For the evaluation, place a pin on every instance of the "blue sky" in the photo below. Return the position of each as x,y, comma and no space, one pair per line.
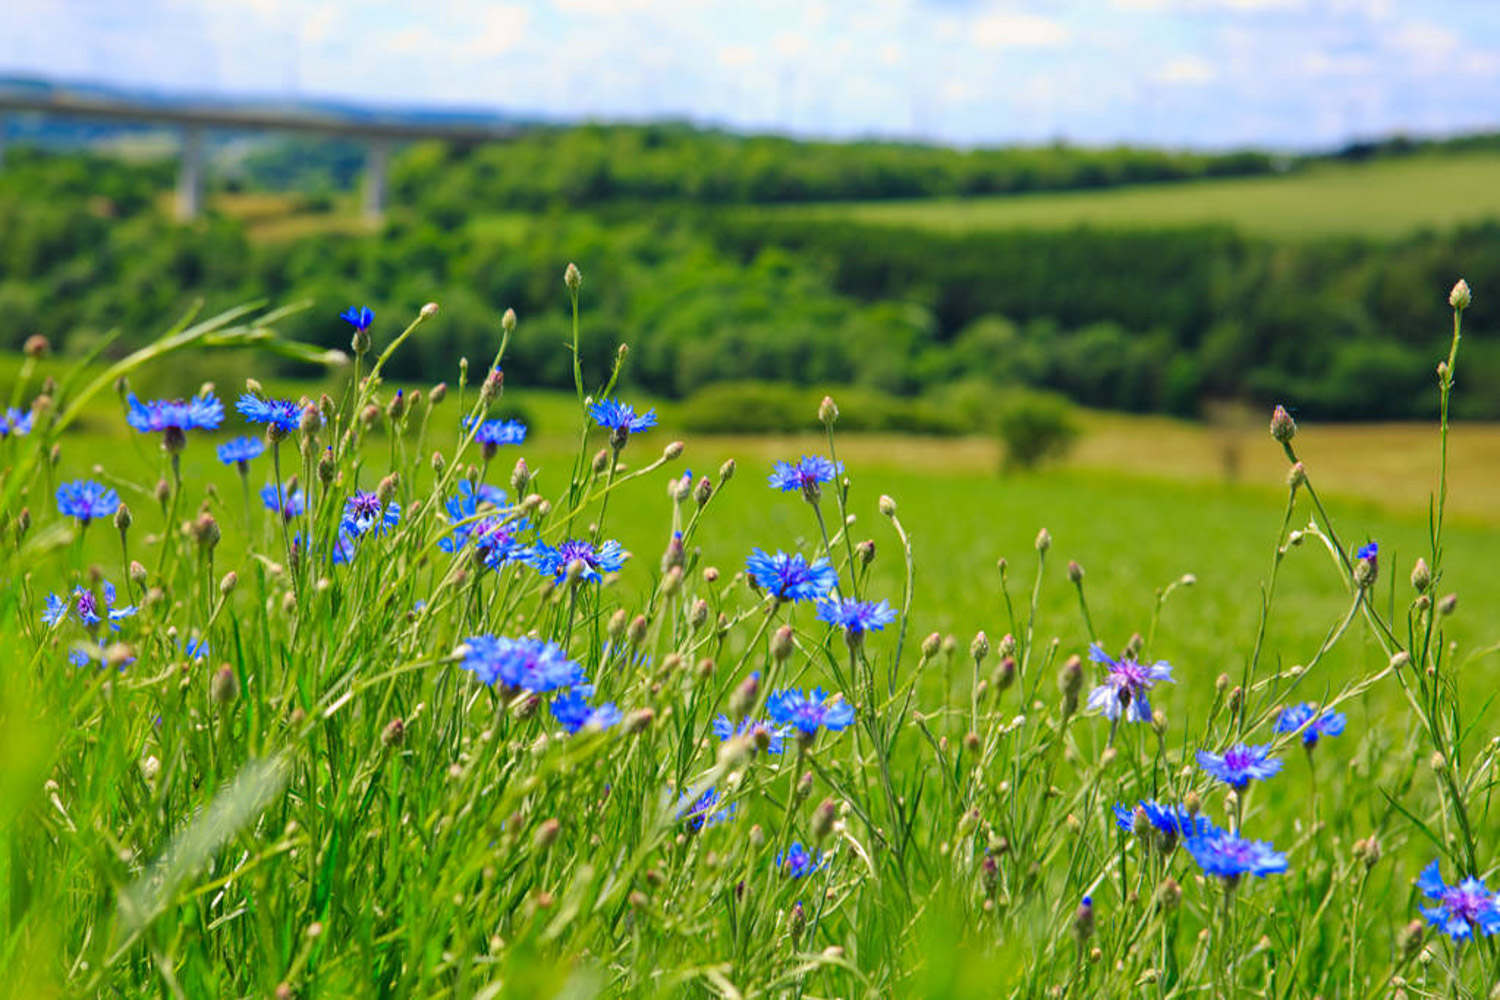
1210,73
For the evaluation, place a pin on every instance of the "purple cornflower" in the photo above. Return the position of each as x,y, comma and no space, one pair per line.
798,861
91,609
239,451
86,500
725,729
494,433
289,505
1239,764
498,542
808,475
554,562
573,711
1460,908
520,664
362,513
359,317
1171,822
173,418
1307,714
1124,688
808,711
463,509
704,811
280,415
15,421
791,578
1229,856
855,617
621,420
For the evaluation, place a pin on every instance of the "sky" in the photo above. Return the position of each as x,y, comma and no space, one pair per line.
1294,74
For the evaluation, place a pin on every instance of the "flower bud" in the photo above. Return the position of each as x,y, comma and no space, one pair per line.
1399,659
703,491
394,733
1368,851
823,819
137,573
206,531
1192,803
638,720
36,346
698,616
828,411
672,451
1083,920
804,785
494,382
385,490
508,321
1043,540
572,278
1460,297
1283,427
546,834
601,461
1169,894
429,310
726,471
637,631
437,394
1421,576
781,643
122,518
887,505
227,585
742,699
225,686
1409,941
980,647
1447,605
1004,674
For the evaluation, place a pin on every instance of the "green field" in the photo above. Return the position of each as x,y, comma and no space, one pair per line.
1386,198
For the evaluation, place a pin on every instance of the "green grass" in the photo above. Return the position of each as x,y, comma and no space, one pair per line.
1384,198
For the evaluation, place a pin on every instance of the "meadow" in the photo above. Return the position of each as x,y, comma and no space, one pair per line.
1378,199
401,736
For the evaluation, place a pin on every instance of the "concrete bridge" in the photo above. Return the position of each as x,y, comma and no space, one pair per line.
193,121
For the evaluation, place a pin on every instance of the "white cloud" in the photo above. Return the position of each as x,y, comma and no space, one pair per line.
1189,70
1005,30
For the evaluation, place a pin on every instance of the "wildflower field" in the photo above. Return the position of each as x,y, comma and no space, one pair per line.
387,693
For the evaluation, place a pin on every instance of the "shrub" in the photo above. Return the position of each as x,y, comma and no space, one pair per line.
773,408
1035,426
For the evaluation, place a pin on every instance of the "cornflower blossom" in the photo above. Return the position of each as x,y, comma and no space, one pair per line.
725,729
287,504
1230,856
239,451
1125,686
855,617
359,317
498,542
1318,724
1172,823
705,811
798,862
281,416
463,509
573,711
621,420
809,711
86,500
363,514
791,578
491,434
807,476
14,421
173,418
1240,763
90,609
554,561
343,547
525,664
1461,909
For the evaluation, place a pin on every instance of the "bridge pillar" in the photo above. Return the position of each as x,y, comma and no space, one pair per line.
190,175
377,160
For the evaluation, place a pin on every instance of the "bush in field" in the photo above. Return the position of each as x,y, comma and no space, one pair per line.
776,408
1035,427
318,711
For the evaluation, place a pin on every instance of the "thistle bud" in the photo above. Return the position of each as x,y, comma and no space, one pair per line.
887,505
710,574
1004,674
1447,605
703,491
206,531
396,408
636,633
1043,540
980,647
1460,297
494,382
781,643
823,819
931,645
1283,427
828,411
572,278
1421,576
225,686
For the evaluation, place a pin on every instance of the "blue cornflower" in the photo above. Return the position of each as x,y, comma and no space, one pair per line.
1229,855
808,475
498,542
494,433
855,617
1239,764
520,664
1461,908
799,861
807,711
573,711
289,505
281,415
81,653
705,810
15,421
362,513
1124,689
1369,550
195,648
343,546
554,562
725,729
463,507
239,451
791,578
91,609
1172,822
621,420
86,500
1306,714
175,417
359,317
